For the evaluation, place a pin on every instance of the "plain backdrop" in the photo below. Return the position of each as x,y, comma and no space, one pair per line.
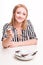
35,14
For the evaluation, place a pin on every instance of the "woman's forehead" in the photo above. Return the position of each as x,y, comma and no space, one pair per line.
21,9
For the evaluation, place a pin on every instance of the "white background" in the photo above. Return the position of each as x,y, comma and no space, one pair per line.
35,9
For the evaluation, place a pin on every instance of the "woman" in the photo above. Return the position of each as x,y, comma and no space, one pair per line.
19,32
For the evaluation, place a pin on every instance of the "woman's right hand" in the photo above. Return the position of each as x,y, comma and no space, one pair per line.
6,41
10,34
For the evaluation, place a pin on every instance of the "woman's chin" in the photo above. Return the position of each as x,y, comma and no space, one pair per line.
19,21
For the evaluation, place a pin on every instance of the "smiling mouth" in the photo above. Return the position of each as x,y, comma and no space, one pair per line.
20,18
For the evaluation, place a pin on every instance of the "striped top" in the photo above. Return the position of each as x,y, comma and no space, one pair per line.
26,34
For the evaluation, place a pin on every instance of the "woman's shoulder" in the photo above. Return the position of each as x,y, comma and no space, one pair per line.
5,25
29,23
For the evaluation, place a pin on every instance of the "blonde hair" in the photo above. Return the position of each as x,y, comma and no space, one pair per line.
24,24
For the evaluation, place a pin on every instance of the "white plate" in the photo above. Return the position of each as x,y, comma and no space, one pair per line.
24,58
25,52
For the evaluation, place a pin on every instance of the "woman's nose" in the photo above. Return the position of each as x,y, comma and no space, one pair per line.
21,14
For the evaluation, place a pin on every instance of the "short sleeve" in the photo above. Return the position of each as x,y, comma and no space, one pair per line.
31,33
4,35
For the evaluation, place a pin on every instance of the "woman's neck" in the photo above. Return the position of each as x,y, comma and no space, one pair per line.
17,25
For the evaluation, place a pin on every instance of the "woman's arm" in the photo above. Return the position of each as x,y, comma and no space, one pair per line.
29,42
7,43
24,43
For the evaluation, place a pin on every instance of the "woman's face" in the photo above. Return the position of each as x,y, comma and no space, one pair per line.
20,14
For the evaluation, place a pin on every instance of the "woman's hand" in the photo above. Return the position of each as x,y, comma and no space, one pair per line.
6,41
10,34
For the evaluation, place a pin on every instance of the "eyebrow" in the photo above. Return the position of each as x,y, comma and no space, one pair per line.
20,11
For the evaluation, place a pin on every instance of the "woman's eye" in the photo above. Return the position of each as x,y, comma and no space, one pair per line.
21,13
24,14
18,12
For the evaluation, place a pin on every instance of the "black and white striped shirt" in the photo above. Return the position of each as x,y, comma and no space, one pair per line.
26,34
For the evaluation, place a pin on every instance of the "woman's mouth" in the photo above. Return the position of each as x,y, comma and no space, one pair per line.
20,18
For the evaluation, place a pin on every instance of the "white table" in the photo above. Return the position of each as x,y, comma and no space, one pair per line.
7,58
